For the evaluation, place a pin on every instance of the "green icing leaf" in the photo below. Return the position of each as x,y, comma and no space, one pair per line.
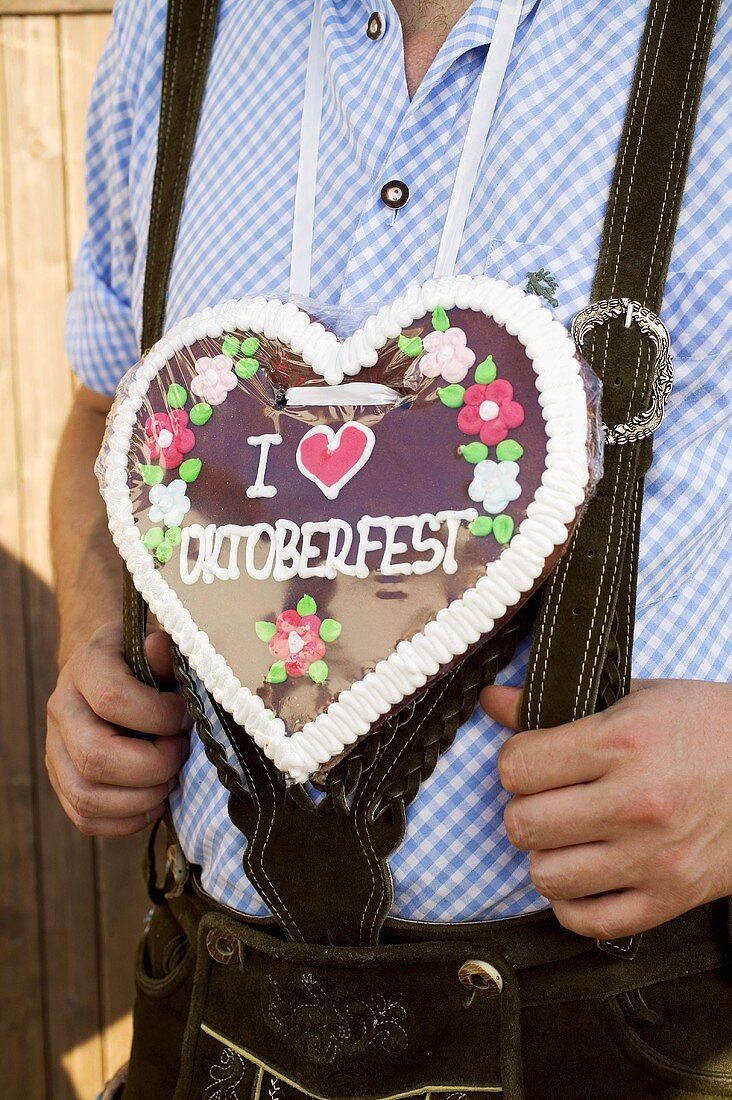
246,368
265,631
474,452
153,537
177,396
277,673
230,346
330,630
152,475
173,536
201,414
503,529
509,451
410,345
250,346
486,372
318,672
440,320
483,525
453,396
190,469
164,552
306,606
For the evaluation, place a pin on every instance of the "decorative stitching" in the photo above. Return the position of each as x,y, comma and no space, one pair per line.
545,615
332,1024
261,867
669,209
626,147
407,744
226,1076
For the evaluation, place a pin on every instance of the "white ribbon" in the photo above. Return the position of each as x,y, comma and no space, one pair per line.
349,394
307,170
481,117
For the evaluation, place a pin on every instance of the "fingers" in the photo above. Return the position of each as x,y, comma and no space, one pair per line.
580,871
109,783
611,916
101,754
97,800
109,687
103,826
542,760
502,704
160,656
557,819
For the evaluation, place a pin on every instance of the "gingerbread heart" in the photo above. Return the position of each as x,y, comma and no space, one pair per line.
320,552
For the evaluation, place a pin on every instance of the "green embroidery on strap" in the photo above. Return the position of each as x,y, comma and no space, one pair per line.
543,284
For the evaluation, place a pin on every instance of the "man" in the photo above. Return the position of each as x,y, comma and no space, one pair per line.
621,822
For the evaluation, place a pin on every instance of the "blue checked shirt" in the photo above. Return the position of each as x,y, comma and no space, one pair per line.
540,203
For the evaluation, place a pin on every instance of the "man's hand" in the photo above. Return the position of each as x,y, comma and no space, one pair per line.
627,814
110,784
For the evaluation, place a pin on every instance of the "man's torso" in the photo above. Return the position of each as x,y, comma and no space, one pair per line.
536,220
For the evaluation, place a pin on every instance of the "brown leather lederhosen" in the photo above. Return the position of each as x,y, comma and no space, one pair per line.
330,997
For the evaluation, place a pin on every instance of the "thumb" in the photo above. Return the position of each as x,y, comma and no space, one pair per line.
159,654
502,704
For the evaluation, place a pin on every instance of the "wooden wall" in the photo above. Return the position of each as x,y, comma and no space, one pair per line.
71,908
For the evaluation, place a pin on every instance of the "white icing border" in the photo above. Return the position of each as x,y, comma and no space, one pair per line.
455,627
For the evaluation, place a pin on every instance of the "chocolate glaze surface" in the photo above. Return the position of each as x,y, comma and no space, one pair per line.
415,468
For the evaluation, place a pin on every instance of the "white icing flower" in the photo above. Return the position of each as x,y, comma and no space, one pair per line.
169,503
495,485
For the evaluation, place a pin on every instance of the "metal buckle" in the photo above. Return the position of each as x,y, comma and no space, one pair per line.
599,313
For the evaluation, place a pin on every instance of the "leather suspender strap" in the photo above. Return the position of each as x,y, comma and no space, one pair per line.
583,635
189,37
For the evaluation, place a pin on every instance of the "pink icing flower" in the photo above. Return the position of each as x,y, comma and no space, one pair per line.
214,378
447,355
490,412
169,438
297,642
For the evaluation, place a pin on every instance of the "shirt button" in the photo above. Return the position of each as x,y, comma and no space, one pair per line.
395,194
375,27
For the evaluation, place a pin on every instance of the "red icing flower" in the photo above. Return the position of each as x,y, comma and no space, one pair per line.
490,412
297,642
169,437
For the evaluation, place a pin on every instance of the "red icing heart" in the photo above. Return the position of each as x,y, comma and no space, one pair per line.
330,458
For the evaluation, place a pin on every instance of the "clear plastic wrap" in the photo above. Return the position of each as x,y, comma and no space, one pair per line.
329,508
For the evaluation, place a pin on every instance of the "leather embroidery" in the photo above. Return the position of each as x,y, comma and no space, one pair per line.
225,1076
329,1024
543,284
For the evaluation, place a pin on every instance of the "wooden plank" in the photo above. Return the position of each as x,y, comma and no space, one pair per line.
82,39
43,387
53,7
21,991
122,901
